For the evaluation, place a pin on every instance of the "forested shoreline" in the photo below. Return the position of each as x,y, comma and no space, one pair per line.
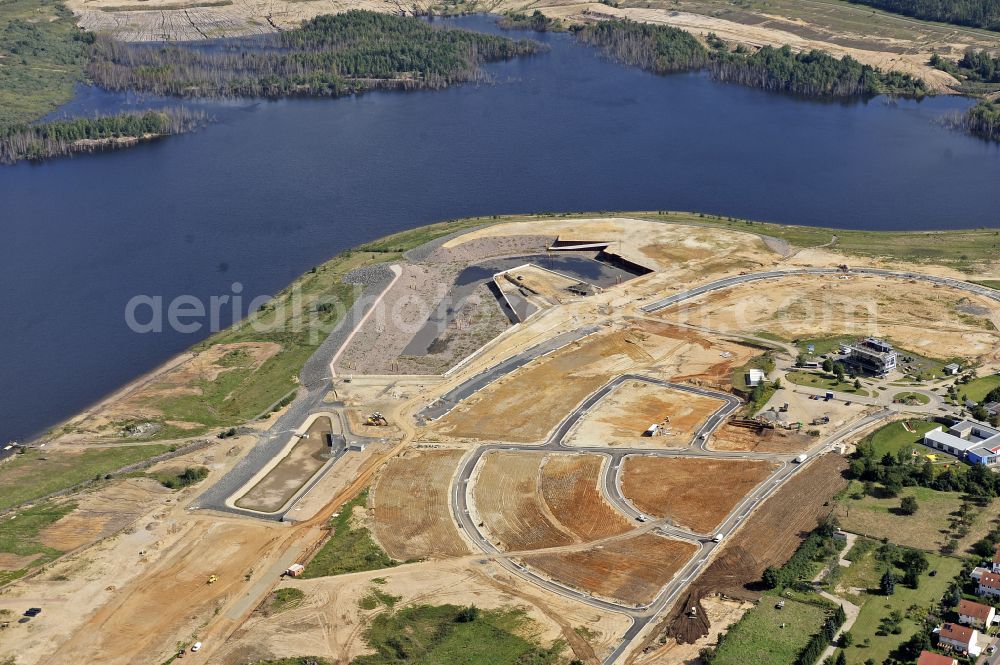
663,49
973,13
328,56
983,120
59,138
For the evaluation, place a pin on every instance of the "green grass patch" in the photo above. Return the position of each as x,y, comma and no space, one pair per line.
769,636
977,389
989,283
910,397
824,382
824,345
349,549
19,536
452,635
894,437
377,598
177,479
930,528
284,599
912,604
40,472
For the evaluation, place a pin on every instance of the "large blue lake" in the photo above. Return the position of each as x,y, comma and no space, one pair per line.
273,188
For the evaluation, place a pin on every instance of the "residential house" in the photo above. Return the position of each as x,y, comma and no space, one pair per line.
975,614
959,638
989,585
931,658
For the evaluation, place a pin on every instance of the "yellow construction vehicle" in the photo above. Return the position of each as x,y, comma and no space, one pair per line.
213,579
376,420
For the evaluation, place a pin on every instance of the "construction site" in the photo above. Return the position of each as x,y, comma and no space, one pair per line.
534,416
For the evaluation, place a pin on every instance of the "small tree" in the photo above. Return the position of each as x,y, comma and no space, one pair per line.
857,384
908,505
467,614
888,583
841,658
772,577
828,365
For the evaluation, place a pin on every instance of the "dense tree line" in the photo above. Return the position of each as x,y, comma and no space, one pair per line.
975,13
327,56
656,48
536,21
663,49
812,73
975,65
63,137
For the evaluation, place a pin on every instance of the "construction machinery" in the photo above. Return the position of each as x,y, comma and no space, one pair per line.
376,420
213,579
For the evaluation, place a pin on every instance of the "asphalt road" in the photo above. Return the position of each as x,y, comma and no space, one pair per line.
466,389
643,614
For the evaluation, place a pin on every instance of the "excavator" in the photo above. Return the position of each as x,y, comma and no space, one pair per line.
376,420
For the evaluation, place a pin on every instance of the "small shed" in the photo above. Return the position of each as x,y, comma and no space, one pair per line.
952,369
755,377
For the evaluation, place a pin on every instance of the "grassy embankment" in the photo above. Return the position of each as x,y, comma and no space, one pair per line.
243,392
37,473
350,548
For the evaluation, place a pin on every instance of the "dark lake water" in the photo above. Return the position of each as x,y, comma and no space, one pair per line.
273,188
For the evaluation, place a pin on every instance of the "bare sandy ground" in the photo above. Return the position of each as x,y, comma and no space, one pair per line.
934,321
329,623
622,416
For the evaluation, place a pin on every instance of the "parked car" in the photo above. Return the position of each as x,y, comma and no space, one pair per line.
196,647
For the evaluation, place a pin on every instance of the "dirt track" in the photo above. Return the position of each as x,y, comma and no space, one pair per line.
693,492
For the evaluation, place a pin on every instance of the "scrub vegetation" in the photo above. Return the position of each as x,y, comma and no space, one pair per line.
664,49
329,56
42,54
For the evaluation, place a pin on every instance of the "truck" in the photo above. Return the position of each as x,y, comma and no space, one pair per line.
717,538
829,395
294,570
799,459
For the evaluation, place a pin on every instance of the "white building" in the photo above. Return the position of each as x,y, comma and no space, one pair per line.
978,443
953,369
755,377
873,355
